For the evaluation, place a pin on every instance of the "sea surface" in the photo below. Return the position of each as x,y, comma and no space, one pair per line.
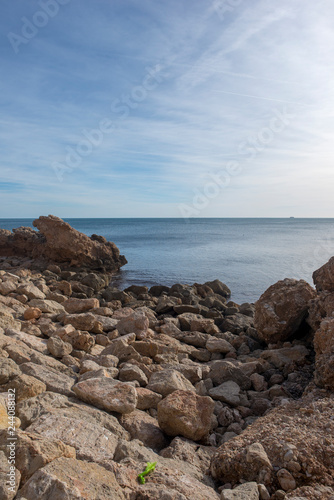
247,254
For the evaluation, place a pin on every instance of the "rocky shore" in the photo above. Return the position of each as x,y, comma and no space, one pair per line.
231,401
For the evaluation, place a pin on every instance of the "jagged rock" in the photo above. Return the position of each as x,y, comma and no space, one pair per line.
281,309
323,277
58,242
108,394
6,318
85,321
324,354
223,371
227,392
183,413
47,306
70,479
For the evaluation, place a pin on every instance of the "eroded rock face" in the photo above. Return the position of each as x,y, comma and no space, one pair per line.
324,354
281,309
58,242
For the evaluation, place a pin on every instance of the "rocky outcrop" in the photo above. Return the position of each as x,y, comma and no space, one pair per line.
324,352
281,309
324,277
57,242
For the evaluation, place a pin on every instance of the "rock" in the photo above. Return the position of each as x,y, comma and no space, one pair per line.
95,281
282,357
76,306
8,370
6,318
223,371
33,451
58,348
246,491
69,479
107,394
9,478
281,309
323,277
136,322
32,313
185,414
299,426
142,426
227,392
91,441
147,399
219,345
31,291
57,242
166,304
82,341
47,306
85,321
167,381
286,480
56,382
7,287
324,354
130,372
219,288
4,416
26,387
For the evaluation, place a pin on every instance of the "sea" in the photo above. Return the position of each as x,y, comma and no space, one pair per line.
248,254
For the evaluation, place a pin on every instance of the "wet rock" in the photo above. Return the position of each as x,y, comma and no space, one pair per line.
186,414
281,309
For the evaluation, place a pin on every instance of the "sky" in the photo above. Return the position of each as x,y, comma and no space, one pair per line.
178,108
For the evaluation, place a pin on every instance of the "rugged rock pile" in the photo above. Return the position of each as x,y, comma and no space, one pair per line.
232,401
57,242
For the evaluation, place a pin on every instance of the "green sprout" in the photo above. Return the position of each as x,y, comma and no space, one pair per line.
149,468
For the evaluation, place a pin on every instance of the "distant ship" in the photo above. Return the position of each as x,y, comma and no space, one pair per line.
291,217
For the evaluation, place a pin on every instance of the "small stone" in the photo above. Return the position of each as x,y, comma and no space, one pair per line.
32,313
286,480
58,348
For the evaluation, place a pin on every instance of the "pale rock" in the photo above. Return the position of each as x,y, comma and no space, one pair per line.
31,291
219,345
47,306
137,322
286,480
8,370
186,414
5,492
165,382
84,321
76,306
107,394
246,491
130,372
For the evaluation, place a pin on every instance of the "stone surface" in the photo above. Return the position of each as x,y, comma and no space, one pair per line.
32,313
108,394
281,309
147,399
8,370
324,354
227,392
137,322
8,489
56,382
70,479
26,387
56,241
185,414
58,348
167,381
91,441
76,306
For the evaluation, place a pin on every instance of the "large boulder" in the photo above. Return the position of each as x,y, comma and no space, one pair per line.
183,413
58,242
324,277
281,309
324,354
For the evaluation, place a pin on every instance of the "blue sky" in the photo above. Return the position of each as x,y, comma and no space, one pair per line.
166,109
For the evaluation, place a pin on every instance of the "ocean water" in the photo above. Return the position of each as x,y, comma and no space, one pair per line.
247,254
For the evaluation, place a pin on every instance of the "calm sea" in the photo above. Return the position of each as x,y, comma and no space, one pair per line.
247,254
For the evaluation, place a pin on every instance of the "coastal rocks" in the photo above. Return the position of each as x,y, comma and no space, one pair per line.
185,414
76,306
323,277
69,479
167,381
281,309
324,354
108,394
58,242
295,437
